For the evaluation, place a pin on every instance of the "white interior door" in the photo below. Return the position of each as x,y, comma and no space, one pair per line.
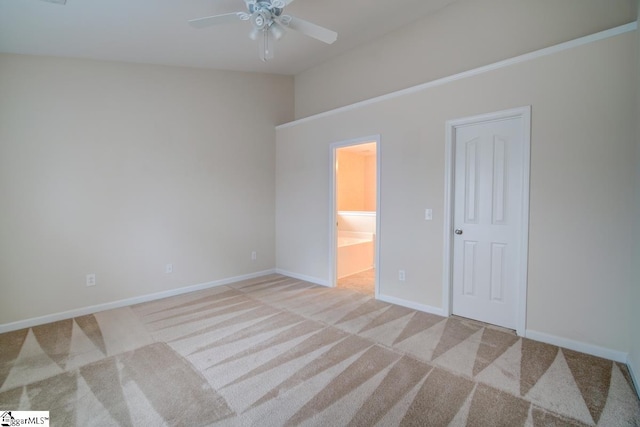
488,220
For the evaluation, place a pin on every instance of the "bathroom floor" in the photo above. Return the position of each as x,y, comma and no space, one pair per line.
361,282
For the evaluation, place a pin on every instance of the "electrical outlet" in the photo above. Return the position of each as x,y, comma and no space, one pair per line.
401,275
91,279
168,268
254,256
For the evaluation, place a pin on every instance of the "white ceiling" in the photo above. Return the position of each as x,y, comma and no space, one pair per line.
156,31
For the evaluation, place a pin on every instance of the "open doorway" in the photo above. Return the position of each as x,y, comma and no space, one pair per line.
355,213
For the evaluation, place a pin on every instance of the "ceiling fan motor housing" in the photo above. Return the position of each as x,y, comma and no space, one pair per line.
271,8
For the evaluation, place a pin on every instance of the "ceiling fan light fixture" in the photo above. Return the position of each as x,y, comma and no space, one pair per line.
276,30
260,20
255,34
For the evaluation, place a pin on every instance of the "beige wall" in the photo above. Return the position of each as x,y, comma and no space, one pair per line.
118,169
356,181
370,179
634,359
582,172
350,181
462,36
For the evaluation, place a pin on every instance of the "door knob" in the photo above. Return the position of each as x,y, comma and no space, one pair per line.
458,231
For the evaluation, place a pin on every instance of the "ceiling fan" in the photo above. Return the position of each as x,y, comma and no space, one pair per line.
269,24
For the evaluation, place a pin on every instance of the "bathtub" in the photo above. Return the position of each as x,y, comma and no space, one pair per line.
355,252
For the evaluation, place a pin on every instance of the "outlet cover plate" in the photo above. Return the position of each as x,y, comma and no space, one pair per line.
91,279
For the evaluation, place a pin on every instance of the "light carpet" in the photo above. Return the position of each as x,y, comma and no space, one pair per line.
275,351
364,282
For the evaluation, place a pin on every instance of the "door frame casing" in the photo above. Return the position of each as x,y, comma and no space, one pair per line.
333,215
521,287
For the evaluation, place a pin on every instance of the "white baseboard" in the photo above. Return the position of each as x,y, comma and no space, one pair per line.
594,350
633,373
314,280
381,297
28,323
411,304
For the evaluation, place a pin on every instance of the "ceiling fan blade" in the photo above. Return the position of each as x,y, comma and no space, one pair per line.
313,30
57,1
216,19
